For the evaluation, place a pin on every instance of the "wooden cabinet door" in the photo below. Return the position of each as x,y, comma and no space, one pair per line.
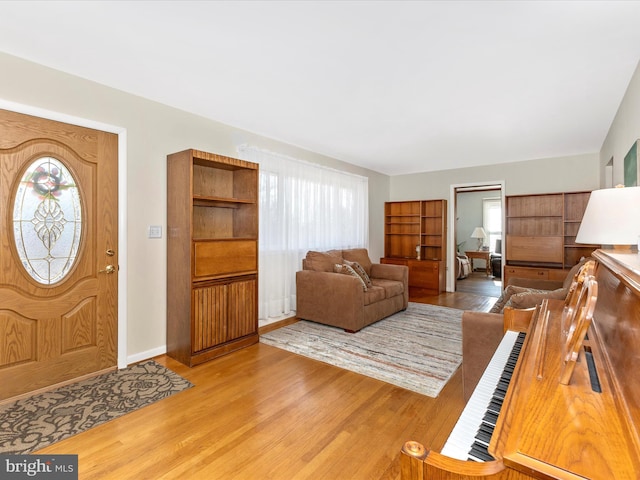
243,308
541,249
424,274
223,312
209,304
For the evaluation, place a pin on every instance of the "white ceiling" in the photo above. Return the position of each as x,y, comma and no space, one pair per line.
397,87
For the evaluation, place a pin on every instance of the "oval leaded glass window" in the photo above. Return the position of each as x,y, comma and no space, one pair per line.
47,220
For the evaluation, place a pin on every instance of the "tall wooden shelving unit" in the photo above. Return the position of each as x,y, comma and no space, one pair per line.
212,255
540,235
415,235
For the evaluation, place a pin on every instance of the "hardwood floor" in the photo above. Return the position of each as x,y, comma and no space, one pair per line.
265,413
480,284
460,300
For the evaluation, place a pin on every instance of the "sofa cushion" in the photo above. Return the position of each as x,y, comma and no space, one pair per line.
345,269
322,261
391,287
359,255
373,295
533,298
359,269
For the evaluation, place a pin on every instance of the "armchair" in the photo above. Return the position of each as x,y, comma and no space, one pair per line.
463,266
463,263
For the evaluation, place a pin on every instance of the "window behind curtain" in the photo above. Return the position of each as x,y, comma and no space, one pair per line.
492,220
303,207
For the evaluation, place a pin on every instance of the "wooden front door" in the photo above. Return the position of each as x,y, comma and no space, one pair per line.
58,252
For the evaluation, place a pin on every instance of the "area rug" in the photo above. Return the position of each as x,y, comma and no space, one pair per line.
418,349
32,423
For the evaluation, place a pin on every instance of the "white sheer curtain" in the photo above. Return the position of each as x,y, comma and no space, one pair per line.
303,207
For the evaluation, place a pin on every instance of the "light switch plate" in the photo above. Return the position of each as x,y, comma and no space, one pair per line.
155,231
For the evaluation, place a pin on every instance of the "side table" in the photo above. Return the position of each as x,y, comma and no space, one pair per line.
482,255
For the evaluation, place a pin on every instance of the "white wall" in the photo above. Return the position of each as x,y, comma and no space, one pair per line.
625,129
153,131
562,174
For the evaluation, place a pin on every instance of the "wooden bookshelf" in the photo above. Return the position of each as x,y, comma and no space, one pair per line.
540,234
212,255
415,235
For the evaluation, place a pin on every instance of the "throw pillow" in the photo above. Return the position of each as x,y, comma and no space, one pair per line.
347,270
359,255
360,271
533,298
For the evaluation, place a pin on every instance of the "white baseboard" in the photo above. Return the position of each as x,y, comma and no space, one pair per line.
139,357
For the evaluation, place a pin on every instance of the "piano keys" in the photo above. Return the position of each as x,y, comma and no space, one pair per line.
470,437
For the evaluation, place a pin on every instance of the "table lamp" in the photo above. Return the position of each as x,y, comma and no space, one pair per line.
611,219
480,234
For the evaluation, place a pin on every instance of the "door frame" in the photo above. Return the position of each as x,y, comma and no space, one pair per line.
451,234
121,132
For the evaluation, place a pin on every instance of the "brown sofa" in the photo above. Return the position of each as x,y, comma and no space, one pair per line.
483,331
348,301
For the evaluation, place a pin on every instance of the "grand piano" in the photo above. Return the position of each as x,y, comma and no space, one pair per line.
561,398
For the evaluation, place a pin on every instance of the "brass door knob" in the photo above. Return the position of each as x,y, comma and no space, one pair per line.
108,269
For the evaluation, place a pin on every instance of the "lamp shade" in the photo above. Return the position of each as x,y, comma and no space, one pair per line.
478,232
611,217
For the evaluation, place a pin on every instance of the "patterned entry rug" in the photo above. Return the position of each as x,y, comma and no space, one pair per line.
418,349
34,422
